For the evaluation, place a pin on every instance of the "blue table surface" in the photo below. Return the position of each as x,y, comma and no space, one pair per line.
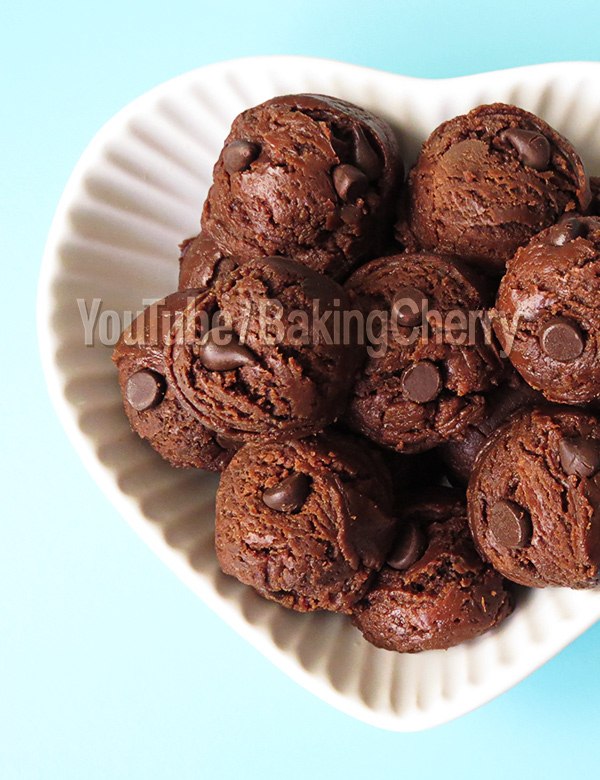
109,667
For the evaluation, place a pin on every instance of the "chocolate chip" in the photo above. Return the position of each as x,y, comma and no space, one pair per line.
409,547
532,147
350,183
421,382
510,524
592,491
318,287
580,456
567,230
365,156
289,495
561,339
351,214
144,390
221,351
238,155
409,306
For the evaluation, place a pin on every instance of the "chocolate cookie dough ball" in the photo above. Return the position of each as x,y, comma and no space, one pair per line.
307,176
429,363
486,182
202,263
435,591
534,498
151,404
305,523
549,314
459,456
263,367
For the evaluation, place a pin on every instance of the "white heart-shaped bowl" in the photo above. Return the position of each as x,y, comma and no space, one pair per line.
134,195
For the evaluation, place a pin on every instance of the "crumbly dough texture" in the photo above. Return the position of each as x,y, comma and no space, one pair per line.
471,195
322,556
553,276
379,408
285,201
293,387
521,463
172,429
448,596
459,455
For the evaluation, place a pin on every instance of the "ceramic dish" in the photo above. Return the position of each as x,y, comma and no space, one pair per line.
134,195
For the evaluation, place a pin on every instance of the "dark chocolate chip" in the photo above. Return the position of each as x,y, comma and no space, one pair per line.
409,547
561,339
365,156
592,491
289,495
282,264
510,524
238,155
568,229
145,389
409,306
222,351
532,147
421,382
350,183
351,214
580,456
318,287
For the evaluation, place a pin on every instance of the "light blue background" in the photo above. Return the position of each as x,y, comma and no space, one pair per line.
109,667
